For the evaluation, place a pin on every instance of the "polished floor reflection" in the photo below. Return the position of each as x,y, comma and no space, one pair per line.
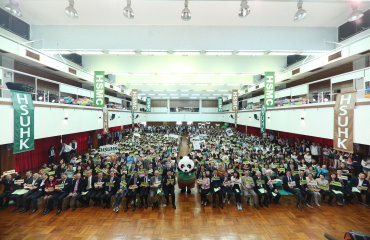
188,221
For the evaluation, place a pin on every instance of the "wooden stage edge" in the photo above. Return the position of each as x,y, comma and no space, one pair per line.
189,221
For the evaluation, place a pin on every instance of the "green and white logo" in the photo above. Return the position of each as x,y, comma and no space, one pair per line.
99,89
23,122
269,89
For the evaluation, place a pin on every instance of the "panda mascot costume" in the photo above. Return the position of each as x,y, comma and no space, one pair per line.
186,176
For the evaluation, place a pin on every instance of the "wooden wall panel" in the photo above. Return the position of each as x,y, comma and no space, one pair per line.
209,103
159,103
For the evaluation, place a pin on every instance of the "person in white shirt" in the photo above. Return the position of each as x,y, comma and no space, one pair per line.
65,152
307,158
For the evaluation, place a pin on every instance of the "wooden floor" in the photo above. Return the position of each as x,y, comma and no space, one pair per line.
188,221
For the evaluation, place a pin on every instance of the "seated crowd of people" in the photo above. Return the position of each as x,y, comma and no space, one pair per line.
229,167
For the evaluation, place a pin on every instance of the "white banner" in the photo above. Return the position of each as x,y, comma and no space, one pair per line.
229,132
108,149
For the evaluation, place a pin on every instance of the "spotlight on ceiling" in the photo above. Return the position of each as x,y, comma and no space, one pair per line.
127,11
356,13
186,14
70,11
301,13
13,8
244,9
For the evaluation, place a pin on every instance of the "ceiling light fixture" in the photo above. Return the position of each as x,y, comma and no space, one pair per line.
356,13
70,11
247,53
127,11
301,13
186,53
89,52
244,9
13,8
219,53
154,53
122,52
186,14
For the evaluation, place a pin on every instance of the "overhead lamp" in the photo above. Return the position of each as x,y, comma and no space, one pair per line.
89,52
186,14
278,53
55,52
13,8
122,52
219,53
356,13
244,9
249,53
70,10
186,53
154,53
301,13
127,11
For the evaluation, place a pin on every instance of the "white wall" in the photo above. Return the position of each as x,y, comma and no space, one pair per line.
49,121
318,122
194,117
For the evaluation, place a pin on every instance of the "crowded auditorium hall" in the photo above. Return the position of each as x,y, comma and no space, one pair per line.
211,120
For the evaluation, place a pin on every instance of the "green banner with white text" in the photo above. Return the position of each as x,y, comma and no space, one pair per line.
24,122
219,104
269,100
263,119
148,104
99,89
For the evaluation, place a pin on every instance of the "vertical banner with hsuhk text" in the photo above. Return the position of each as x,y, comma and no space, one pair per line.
343,121
263,119
134,100
269,100
234,100
99,89
219,104
24,131
148,104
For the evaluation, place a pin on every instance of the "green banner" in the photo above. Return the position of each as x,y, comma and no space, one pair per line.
263,119
24,121
99,89
269,89
148,104
219,104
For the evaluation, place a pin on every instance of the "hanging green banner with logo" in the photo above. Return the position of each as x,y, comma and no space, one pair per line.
269,89
219,104
99,89
263,119
148,104
24,131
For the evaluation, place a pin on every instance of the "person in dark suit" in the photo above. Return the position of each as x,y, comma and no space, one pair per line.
18,199
9,187
144,189
133,190
216,184
60,194
155,189
33,187
75,191
89,188
51,154
261,189
302,185
98,189
272,192
362,185
121,192
290,184
111,185
169,182
35,195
